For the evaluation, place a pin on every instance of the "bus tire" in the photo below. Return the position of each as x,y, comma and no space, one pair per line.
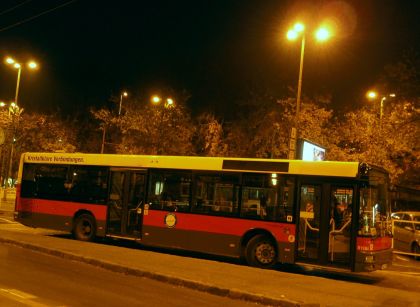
261,252
84,227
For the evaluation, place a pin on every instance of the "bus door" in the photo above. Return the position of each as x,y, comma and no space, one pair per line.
309,211
126,201
340,225
325,224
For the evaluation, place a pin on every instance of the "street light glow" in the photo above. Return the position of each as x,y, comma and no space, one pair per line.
156,99
322,34
169,102
299,27
9,60
2,103
292,35
371,95
16,65
125,94
32,65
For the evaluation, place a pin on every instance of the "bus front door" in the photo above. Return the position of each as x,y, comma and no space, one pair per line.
125,206
325,224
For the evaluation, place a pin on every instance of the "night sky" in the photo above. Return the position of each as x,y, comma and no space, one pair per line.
217,50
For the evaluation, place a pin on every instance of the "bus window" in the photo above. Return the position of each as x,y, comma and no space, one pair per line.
216,194
259,197
170,191
88,184
28,180
45,181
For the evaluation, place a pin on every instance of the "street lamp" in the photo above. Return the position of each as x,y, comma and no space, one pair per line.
31,65
14,107
123,94
169,103
372,95
297,31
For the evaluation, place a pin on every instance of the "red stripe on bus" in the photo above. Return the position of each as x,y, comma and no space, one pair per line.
373,244
283,232
62,208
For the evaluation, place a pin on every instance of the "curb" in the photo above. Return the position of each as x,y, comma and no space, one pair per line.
6,213
231,293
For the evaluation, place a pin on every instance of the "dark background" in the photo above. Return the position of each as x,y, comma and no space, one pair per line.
217,50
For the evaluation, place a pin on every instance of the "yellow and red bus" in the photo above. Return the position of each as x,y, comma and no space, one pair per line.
332,214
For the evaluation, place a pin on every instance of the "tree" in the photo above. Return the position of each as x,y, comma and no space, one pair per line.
263,129
208,138
146,128
391,143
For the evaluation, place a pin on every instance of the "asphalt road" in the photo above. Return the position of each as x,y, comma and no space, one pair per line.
403,275
33,279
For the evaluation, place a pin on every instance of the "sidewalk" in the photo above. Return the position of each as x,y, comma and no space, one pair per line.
7,207
269,287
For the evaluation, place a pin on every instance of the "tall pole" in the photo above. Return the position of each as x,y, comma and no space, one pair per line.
299,91
119,110
12,146
381,111
103,138
294,130
17,85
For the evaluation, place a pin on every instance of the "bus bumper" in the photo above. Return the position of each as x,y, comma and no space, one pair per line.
371,261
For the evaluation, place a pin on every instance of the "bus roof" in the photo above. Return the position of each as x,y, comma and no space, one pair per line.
279,166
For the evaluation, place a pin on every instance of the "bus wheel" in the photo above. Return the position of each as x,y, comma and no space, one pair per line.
261,252
84,227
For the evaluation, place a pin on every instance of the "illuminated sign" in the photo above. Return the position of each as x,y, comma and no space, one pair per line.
309,151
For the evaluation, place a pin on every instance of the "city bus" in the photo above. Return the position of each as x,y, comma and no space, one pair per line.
264,211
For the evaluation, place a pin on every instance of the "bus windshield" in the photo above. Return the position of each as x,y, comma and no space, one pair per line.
374,206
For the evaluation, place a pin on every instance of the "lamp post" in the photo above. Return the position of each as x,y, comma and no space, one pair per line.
123,94
297,31
169,103
14,107
18,66
372,95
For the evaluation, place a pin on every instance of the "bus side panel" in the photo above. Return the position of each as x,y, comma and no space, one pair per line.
211,234
58,215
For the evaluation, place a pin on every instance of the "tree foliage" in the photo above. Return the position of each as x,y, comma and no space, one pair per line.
263,130
208,139
392,142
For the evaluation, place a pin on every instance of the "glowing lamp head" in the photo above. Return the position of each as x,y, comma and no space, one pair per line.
322,34
371,95
125,94
32,65
299,27
292,35
16,65
156,99
9,60
169,102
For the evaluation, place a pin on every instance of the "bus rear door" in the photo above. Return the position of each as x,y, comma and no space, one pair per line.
126,203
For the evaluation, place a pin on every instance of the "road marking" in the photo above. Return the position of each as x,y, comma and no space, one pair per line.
18,293
403,259
7,221
21,297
